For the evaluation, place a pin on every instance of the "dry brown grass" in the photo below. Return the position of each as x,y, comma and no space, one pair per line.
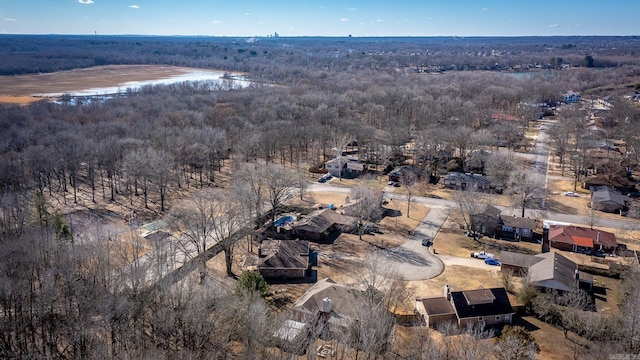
19,99
553,344
458,278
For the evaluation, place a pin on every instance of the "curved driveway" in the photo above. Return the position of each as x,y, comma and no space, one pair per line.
411,260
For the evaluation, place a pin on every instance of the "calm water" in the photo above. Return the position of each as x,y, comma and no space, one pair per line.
216,78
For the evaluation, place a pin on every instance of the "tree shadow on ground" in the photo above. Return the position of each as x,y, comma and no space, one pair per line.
519,321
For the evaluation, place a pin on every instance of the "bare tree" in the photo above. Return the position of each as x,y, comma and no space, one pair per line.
194,218
281,185
409,180
515,343
469,206
366,207
229,225
560,136
498,168
340,141
631,311
206,219
593,216
526,189
249,185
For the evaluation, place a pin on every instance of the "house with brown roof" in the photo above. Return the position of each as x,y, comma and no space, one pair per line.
282,259
321,225
576,238
468,307
549,270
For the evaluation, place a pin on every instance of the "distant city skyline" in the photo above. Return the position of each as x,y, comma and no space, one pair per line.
320,18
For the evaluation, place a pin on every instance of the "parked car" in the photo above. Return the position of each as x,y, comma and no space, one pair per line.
326,177
492,261
481,255
570,193
427,242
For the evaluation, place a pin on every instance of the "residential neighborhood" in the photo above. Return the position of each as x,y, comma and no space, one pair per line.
332,197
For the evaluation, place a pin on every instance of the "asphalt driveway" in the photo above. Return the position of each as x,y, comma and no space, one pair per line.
411,260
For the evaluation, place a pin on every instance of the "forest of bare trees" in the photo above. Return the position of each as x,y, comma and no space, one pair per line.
61,296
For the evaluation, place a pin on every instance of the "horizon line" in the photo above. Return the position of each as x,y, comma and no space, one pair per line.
271,36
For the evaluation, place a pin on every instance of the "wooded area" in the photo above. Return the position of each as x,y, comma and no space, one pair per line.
431,100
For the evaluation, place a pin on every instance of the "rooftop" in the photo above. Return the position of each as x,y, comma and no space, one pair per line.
437,305
498,306
581,236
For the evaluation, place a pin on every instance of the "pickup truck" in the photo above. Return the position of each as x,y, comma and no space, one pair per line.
481,255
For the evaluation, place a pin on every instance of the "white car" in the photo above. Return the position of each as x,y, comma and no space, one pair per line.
570,193
481,255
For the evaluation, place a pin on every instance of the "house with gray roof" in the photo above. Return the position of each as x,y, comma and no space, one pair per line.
470,182
491,222
281,259
549,270
331,307
320,225
608,199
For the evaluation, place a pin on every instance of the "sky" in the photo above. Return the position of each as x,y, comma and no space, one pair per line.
321,17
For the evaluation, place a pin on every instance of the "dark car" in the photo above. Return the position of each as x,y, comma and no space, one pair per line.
427,242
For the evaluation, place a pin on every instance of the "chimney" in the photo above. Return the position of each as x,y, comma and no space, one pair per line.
577,275
326,305
447,292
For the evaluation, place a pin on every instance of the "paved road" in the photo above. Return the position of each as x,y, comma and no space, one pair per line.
621,223
411,260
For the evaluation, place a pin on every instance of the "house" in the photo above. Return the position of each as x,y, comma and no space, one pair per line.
331,307
487,221
517,228
614,180
608,199
468,307
572,97
321,225
491,223
548,271
344,166
471,182
281,259
575,238
405,174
